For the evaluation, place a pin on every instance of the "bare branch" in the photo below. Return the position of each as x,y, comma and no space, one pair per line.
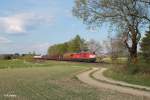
125,40
144,1
141,17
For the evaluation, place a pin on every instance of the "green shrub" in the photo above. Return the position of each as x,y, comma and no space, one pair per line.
143,68
131,68
7,57
145,47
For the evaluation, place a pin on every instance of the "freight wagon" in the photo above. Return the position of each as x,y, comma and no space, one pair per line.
82,57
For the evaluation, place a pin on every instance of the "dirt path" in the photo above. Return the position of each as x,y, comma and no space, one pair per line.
85,77
99,76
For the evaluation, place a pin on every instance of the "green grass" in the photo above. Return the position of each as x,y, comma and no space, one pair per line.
138,78
120,60
54,81
50,80
24,64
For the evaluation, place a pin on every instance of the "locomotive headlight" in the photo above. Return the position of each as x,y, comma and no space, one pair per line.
92,56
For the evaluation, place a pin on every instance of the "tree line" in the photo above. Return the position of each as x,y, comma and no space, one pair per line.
113,48
75,45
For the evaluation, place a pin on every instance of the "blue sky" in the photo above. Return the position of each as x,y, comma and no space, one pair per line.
34,25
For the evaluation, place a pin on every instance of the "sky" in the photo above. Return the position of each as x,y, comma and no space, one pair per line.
34,25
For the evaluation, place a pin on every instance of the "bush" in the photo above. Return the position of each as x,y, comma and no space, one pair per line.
8,57
131,68
143,68
145,47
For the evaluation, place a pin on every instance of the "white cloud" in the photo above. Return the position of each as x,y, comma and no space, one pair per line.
22,22
4,40
14,25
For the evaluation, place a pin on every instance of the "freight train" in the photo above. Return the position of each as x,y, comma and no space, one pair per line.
81,57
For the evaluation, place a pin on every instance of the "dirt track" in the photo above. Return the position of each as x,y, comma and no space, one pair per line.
85,77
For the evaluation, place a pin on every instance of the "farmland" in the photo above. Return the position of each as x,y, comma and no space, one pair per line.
49,80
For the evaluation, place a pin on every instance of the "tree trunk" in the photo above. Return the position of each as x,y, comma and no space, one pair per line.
133,48
133,53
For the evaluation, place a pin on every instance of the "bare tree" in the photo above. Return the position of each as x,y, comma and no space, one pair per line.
129,16
115,48
94,46
118,48
144,1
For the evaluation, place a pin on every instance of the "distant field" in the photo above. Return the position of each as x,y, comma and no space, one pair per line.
50,80
5,64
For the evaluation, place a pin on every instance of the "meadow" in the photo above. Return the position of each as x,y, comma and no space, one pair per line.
50,80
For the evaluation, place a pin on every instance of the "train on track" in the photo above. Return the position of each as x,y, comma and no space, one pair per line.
81,57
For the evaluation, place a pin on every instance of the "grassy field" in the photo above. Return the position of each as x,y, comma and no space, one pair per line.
50,80
120,60
24,64
139,78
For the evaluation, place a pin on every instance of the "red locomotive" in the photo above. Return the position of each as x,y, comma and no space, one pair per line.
82,56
